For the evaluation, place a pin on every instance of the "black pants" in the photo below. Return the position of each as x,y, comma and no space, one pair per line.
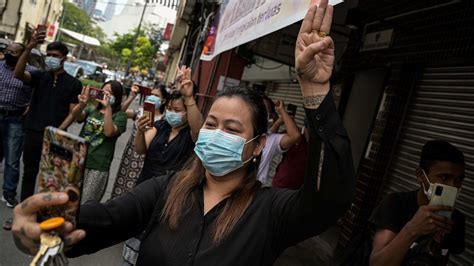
31,158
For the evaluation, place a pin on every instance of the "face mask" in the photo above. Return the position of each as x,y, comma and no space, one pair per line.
155,100
174,119
428,192
220,152
52,63
11,60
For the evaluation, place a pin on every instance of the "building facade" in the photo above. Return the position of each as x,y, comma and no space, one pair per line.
20,18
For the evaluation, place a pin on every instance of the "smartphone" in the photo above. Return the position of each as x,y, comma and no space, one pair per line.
444,195
145,91
149,110
291,109
61,169
96,93
42,28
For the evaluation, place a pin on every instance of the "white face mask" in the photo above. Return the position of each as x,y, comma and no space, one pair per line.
428,192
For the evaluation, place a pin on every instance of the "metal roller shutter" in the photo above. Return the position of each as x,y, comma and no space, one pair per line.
442,107
289,93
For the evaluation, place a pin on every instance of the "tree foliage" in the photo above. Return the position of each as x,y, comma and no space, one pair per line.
148,43
77,20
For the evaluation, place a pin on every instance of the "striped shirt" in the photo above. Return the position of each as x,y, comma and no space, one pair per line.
14,94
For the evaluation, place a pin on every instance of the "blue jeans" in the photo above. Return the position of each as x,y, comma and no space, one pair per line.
11,129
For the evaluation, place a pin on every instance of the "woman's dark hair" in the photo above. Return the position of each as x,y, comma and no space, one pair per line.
58,46
165,95
255,101
270,102
117,91
173,96
181,191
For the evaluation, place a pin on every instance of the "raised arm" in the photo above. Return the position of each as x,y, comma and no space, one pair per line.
292,135
129,100
20,72
330,179
110,128
194,115
144,135
78,111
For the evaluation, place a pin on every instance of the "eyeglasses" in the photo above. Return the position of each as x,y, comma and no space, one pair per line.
11,52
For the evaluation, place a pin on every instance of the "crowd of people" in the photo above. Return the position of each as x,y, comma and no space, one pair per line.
196,190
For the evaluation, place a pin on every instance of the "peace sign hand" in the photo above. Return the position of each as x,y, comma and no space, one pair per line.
314,52
186,84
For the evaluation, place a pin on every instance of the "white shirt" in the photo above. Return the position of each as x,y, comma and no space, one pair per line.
272,149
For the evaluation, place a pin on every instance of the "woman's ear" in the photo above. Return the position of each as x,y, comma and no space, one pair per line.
262,140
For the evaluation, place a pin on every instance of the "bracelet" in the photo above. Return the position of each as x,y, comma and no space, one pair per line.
189,105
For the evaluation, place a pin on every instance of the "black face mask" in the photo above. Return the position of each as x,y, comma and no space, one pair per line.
11,60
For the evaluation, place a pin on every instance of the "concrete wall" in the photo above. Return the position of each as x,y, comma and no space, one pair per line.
34,13
9,18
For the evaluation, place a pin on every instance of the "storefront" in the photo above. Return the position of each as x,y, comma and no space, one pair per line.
427,94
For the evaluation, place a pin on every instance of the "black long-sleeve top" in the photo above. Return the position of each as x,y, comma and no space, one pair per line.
275,220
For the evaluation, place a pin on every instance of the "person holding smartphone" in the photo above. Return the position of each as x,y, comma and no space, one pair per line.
54,97
169,144
408,229
131,163
277,143
103,124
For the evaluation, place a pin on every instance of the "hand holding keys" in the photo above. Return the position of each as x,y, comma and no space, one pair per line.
51,248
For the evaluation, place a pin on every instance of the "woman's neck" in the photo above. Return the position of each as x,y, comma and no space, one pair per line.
224,185
177,129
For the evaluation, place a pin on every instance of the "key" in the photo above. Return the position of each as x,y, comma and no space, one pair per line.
61,259
51,244
49,256
47,241
42,250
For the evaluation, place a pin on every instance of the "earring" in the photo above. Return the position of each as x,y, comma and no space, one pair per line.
254,160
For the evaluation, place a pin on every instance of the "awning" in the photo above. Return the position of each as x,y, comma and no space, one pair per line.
88,40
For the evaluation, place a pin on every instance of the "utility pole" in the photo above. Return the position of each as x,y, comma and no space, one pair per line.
61,23
132,54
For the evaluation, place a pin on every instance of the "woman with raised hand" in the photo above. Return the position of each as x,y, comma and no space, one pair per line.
170,142
131,163
214,211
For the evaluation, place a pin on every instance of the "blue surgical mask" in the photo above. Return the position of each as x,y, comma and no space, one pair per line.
155,100
174,119
220,152
52,63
